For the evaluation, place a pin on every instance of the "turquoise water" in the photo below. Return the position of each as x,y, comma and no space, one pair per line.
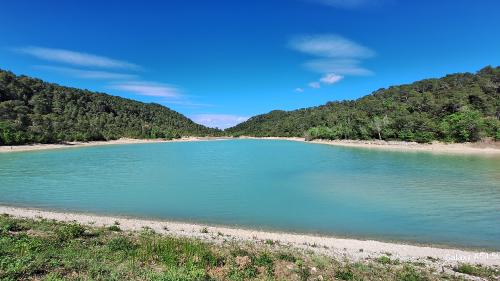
281,185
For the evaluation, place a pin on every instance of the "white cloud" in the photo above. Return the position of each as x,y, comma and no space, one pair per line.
330,46
336,56
87,74
339,66
315,85
148,89
331,78
221,121
299,90
76,58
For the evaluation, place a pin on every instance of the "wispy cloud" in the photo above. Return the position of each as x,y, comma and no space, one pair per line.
314,85
330,46
87,74
339,66
348,4
76,58
299,90
336,57
331,78
221,121
151,89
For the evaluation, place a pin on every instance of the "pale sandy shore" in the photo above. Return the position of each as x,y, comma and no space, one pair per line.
38,146
480,148
341,248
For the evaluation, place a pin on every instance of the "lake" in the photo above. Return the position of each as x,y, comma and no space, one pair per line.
270,184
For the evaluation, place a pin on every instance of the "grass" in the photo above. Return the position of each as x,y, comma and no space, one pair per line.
49,250
477,270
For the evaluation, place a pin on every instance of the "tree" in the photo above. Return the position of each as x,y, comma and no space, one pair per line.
462,126
379,124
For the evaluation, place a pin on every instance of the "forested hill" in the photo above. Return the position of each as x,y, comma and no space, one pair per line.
458,108
32,110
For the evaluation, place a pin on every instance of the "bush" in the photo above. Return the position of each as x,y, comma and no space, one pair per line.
266,261
344,274
462,126
410,274
321,132
69,231
476,270
114,228
121,243
384,260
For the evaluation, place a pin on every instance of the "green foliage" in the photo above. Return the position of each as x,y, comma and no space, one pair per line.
122,243
462,126
39,254
477,270
458,108
286,257
70,231
344,274
265,260
114,228
35,111
302,270
410,274
321,132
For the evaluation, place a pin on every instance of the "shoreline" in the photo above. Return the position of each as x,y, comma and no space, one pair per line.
352,249
479,148
50,146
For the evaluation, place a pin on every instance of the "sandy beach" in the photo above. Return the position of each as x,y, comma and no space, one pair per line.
490,148
38,146
352,249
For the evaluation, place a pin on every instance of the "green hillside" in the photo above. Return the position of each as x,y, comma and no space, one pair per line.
32,110
456,108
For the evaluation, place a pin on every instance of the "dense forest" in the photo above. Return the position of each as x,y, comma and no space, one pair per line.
32,110
456,108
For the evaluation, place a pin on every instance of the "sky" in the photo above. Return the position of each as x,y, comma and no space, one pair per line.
220,62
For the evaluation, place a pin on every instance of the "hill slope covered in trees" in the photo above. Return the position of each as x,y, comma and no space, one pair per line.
32,110
457,108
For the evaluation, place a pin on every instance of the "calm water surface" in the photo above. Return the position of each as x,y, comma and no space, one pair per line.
416,197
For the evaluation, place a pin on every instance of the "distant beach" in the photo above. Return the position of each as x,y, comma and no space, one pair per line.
490,148
40,146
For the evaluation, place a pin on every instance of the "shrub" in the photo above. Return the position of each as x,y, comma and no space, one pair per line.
384,260
344,274
266,261
69,231
462,126
475,270
287,257
408,273
302,270
121,243
114,228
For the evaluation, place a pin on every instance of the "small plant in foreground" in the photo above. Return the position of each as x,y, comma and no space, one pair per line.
69,231
121,243
344,274
476,270
114,228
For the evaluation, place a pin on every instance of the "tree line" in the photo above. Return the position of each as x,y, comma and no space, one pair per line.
34,111
456,108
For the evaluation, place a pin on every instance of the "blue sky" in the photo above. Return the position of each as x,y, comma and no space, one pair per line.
222,61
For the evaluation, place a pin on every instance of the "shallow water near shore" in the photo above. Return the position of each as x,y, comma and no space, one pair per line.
283,185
